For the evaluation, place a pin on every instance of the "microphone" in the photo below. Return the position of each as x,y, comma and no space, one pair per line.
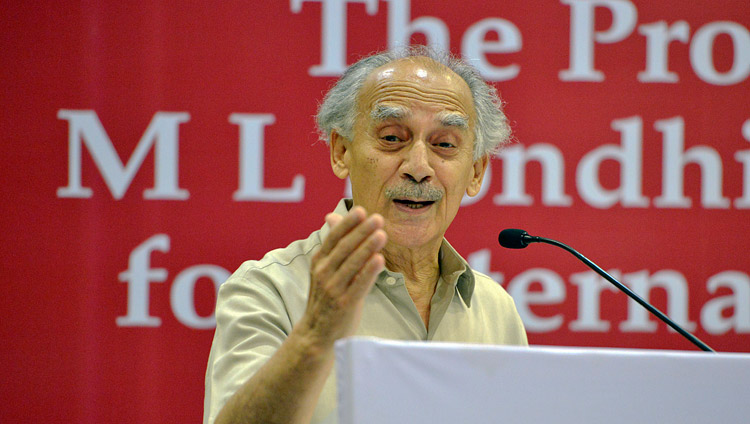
512,238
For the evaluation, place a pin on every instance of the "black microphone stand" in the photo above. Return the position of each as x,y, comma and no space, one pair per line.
526,238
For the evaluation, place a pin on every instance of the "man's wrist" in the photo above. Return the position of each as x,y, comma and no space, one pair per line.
310,344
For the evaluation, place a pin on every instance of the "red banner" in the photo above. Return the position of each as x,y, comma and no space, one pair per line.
151,148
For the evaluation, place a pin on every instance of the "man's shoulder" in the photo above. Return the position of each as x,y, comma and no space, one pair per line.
485,286
279,281
294,257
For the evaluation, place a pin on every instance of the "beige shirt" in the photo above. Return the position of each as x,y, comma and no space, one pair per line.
260,303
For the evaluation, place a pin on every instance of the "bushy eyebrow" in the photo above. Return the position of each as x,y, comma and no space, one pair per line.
452,119
384,112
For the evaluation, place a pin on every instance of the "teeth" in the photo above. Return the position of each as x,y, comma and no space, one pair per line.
414,204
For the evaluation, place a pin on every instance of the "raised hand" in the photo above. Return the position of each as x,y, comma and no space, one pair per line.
342,273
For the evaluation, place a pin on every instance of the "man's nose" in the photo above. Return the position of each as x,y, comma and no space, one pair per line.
416,162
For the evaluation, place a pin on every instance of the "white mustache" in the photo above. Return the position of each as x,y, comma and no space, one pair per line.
413,191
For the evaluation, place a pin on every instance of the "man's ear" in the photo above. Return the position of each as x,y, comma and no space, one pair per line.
339,146
480,166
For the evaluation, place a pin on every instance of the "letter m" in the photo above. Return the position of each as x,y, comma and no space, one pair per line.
85,128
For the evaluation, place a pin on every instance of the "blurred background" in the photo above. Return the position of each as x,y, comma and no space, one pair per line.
149,148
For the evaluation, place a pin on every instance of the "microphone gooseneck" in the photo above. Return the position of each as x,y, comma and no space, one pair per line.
512,238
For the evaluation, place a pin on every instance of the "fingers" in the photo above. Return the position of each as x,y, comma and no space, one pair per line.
349,254
354,269
340,226
364,280
355,247
333,219
342,273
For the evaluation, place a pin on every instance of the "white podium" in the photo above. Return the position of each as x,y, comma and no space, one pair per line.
411,382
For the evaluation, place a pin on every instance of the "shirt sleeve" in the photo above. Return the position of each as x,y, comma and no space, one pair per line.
252,322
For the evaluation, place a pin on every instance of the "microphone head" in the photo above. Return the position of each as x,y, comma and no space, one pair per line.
512,238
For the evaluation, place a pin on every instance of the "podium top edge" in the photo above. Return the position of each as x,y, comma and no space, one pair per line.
540,349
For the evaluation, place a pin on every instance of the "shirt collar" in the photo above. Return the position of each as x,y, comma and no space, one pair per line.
453,268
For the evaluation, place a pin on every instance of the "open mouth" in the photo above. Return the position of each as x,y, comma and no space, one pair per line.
413,204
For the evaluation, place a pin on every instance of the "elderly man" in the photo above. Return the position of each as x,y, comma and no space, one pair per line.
413,130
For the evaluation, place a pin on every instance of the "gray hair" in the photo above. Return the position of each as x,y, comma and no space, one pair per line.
338,111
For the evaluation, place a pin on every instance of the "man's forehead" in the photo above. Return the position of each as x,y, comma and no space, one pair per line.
418,69
416,79
419,66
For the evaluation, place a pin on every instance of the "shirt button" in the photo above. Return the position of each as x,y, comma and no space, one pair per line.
390,281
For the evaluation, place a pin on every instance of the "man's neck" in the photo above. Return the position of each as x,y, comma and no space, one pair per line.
421,271
420,266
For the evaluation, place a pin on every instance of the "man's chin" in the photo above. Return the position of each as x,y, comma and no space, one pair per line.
412,235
